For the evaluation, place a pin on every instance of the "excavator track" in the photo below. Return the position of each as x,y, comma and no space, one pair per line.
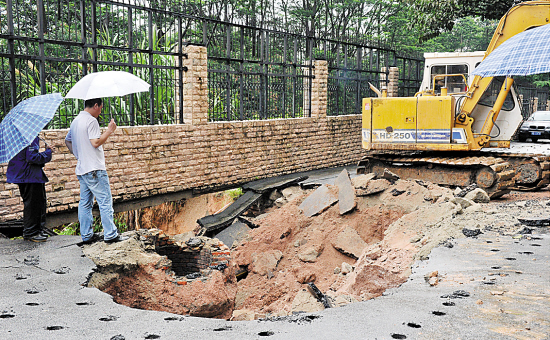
495,175
532,171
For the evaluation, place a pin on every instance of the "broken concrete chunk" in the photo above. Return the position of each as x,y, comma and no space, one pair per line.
349,243
471,233
457,191
466,190
305,302
291,192
346,193
361,182
320,200
535,221
478,195
432,278
233,234
342,300
266,262
374,187
390,176
463,202
346,268
279,202
318,295
309,254
445,197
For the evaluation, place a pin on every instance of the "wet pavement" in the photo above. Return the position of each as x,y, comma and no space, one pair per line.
488,287
506,280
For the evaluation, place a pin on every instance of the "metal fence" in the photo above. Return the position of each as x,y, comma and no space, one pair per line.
528,95
254,73
352,67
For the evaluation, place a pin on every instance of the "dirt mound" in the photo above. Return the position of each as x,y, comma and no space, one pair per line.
392,225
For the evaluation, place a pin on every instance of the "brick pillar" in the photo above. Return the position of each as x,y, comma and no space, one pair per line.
393,86
520,99
318,89
548,105
393,81
195,86
535,104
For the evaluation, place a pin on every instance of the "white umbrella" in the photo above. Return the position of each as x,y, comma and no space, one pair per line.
107,84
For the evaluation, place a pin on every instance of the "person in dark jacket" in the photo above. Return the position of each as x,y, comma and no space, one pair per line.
25,170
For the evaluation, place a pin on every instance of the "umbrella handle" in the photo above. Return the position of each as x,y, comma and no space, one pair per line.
42,139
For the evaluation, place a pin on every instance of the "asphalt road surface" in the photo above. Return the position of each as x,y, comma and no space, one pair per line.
492,287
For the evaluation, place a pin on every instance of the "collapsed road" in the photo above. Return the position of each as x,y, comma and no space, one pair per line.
492,285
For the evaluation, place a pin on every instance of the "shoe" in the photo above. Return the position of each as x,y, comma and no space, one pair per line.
36,238
117,239
95,237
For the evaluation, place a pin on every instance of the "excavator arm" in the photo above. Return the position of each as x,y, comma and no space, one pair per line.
519,18
438,137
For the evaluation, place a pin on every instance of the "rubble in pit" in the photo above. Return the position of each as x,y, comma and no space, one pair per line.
302,254
183,274
351,254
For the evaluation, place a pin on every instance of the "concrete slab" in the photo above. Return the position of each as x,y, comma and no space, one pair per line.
535,221
317,178
212,223
346,193
233,234
280,182
318,201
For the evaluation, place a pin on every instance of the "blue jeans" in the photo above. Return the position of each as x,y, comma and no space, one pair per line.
96,183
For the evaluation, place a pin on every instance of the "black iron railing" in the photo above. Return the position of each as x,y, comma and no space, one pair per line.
528,94
253,73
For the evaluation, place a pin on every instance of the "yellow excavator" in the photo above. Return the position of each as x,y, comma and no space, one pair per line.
462,136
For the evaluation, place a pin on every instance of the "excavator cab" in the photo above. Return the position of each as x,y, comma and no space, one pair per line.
438,134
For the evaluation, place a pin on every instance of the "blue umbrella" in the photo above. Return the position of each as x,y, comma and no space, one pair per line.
523,54
23,123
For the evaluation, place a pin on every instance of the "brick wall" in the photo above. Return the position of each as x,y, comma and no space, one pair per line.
182,259
146,161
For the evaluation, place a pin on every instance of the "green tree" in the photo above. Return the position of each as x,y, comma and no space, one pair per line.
436,16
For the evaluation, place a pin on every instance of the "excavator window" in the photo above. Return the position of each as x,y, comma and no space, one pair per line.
490,96
454,84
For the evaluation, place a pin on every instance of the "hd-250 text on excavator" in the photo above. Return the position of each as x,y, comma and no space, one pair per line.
455,135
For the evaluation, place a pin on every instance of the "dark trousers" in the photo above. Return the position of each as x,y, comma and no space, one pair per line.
34,207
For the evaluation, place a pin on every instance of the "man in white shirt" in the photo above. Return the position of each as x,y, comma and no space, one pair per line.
85,141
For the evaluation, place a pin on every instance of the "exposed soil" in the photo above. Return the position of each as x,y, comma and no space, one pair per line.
350,257
181,217
287,230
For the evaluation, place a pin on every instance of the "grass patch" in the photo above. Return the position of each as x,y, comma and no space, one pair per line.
234,193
